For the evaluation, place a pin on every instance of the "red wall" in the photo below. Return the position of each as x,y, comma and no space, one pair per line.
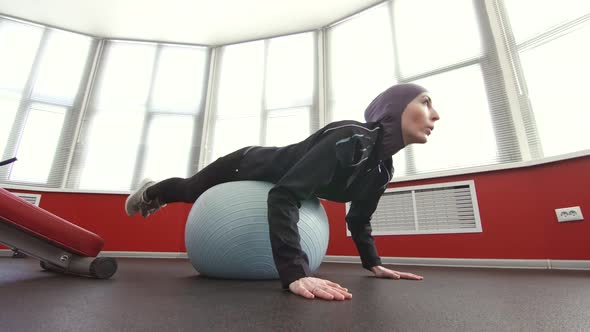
516,208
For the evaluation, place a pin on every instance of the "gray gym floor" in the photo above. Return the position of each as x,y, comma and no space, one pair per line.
168,295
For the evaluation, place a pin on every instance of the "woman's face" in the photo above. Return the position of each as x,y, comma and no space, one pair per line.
418,119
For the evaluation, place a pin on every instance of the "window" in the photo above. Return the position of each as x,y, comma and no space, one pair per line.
282,122
144,116
9,104
239,98
465,134
360,62
548,15
265,95
111,145
174,123
61,68
102,115
553,54
38,143
40,97
290,71
434,34
289,88
168,152
179,80
126,74
18,47
410,41
116,116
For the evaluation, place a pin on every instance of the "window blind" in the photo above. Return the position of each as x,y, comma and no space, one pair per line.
455,56
144,117
550,53
95,114
41,90
265,94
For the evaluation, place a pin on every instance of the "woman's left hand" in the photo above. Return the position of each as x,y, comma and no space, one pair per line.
381,272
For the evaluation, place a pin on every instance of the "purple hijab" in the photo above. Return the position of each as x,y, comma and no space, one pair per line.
387,109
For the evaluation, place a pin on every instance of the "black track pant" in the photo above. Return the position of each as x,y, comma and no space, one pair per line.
188,190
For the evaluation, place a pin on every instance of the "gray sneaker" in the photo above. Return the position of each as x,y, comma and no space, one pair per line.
136,201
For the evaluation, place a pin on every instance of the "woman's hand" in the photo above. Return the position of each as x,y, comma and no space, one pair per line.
381,272
311,288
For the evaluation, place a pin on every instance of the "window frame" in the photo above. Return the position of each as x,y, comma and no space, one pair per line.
315,110
58,170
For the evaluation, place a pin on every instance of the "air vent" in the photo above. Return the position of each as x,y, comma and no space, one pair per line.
31,198
432,209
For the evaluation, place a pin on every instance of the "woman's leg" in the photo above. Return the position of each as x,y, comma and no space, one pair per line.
188,190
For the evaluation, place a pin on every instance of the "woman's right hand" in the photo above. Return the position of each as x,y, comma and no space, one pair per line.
310,287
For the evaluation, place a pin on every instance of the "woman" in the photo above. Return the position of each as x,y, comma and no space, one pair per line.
346,161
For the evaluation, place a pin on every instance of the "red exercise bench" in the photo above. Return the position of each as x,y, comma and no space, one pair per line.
60,245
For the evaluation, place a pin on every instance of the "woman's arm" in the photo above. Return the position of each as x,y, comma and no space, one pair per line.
358,221
316,168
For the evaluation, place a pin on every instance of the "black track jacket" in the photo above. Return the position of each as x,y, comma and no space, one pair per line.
338,163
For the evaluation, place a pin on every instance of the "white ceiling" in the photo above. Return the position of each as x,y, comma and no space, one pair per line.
206,22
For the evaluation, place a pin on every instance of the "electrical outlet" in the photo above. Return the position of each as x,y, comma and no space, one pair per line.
569,214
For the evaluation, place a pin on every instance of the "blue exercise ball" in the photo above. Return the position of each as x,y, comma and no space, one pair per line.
227,233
